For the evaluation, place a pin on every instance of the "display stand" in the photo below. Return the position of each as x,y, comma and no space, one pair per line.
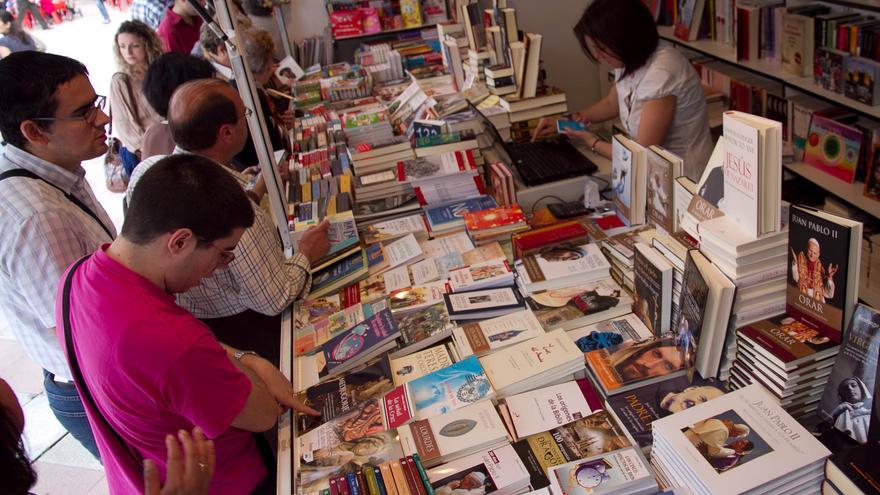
247,89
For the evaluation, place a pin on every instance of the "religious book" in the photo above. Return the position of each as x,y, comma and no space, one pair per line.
663,168
853,471
359,344
847,400
317,466
416,298
546,408
485,275
338,275
496,471
449,217
652,297
482,304
487,336
393,229
741,442
628,179
578,305
454,434
423,328
407,368
561,266
621,471
632,364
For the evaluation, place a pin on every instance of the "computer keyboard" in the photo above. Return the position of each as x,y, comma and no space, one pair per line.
541,162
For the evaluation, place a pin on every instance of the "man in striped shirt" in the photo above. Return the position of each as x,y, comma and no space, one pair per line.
51,120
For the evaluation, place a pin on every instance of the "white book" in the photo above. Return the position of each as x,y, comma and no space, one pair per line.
403,251
424,271
562,267
546,408
454,243
621,471
500,468
752,172
419,364
628,326
485,275
396,279
525,360
392,229
629,163
454,434
490,335
764,444
416,298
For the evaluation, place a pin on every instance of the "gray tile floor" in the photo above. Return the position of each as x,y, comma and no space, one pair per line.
63,466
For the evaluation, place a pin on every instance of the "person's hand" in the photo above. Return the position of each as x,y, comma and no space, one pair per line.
585,137
314,243
546,127
284,168
832,269
187,474
276,384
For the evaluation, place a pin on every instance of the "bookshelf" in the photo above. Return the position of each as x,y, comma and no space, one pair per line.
381,34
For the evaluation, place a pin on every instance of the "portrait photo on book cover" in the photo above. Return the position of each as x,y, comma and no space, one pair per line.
474,480
561,254
596,434
852,412
726,441
633,361
817,260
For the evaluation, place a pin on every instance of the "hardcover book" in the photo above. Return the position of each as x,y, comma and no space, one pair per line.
532,360
847,400
663,168
861,79
828,68
787,341
483,303
652,297
640,407
490,335
558,266
833,148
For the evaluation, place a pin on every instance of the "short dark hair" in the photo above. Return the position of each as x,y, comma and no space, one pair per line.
186,191
170,71
209,40
198,129
624,27
15,468
28,81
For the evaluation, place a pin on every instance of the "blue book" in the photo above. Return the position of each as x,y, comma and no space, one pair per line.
354,488
338,275
359,344
450,388
450,216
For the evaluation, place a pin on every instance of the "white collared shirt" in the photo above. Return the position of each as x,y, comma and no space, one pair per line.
43,234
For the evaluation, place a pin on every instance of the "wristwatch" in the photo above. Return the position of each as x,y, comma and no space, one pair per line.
240,354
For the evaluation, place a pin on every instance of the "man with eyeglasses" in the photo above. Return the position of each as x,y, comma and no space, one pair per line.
51,120
242,303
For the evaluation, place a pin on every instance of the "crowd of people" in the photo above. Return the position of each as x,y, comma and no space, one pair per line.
159,343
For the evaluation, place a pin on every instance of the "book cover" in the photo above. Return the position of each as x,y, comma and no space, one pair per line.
628,326
860,81
818,278
363,420
621,470
847,400
567,307
526,242
794,43
550,407
482,473
315,467
416,298
693,302
403,250
422,325
788,339
557,262
595,434
640,407
392,229
621,177
530,358
451,215
449,388
436,166
327,277
338,396
660,193
828,65
460,431
407,368
742,172
492,273
358,341
486,252
739,442
493,218
853,470
653,289
633,362
492,334
833,148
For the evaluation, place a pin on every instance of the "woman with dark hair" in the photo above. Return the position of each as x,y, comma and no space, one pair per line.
135,46
657,93
14,38
15,467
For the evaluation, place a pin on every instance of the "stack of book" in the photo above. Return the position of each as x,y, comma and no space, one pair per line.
499,468
495,224
524,109
620,249
556,267
482,304
488,336
500,79
448,218
791,355
715,447
544,409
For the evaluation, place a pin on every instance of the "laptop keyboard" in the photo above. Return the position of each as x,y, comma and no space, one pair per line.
541,162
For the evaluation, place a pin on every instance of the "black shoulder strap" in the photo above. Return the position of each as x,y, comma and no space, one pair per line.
74,363
20,172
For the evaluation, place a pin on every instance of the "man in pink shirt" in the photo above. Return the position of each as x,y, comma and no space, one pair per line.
152,368
180,29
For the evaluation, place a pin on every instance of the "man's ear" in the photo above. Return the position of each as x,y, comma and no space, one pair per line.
33,133
226,133
180,241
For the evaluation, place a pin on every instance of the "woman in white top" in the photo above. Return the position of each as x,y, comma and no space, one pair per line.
657,92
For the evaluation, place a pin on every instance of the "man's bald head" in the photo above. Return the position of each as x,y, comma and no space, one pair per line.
198,111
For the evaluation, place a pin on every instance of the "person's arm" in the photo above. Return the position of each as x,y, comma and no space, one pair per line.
4,52
260,411
189,470
655,120
604,109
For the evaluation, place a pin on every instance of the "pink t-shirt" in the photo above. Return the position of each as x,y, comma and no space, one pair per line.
154,369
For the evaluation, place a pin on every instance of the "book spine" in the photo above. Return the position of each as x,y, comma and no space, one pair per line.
417,462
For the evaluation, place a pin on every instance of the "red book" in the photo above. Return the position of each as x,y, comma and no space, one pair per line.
413,473
412,483
494,218
526,242
342,486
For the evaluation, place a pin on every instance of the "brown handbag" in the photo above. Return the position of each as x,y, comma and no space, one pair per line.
116,174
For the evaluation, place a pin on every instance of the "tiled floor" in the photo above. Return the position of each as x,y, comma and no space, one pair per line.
63,466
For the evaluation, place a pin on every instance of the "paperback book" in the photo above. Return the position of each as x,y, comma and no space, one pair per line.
562,266
628,365
408,368
481,304
652,297
621,471
449,217
496,471
583,304
549,407
488,336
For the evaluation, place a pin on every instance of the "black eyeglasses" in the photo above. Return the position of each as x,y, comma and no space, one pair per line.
89,115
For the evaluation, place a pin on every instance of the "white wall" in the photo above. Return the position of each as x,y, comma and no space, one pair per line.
305,18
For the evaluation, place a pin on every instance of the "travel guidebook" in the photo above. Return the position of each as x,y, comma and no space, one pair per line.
847,401
595,434
638,408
